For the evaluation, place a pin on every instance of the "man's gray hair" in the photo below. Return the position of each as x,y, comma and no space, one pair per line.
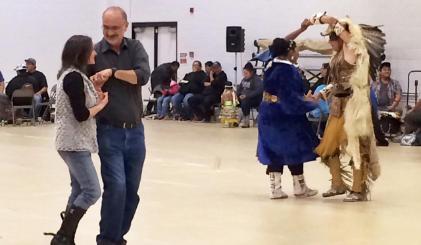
116,8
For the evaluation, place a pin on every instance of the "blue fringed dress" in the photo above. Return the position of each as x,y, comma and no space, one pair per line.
285,135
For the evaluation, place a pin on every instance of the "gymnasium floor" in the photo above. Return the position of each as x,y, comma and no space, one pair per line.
202,185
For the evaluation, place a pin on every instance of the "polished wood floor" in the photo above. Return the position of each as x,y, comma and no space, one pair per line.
202,185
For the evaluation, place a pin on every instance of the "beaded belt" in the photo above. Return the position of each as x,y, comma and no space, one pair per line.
267,97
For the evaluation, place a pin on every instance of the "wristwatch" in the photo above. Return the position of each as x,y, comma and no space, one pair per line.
113,70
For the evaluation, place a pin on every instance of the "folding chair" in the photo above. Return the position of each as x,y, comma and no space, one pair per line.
49,112
23,99
319,120
254,113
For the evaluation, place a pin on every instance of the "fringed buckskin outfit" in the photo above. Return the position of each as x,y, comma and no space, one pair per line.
349,128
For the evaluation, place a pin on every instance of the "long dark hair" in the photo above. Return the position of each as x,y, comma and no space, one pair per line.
76,53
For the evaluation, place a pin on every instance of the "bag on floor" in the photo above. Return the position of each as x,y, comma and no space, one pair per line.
413,139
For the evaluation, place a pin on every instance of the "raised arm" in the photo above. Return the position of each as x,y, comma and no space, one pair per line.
304,25
339,29
138,75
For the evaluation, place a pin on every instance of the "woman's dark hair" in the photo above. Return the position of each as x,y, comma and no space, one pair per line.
208,63
281,47
217,64
175,64
76,53
249,67
198,62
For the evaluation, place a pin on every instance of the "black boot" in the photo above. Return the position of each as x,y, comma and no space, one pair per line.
66,234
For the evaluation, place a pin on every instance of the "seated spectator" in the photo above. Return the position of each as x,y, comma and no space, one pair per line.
202,104
413,119
41,86
208,67
412,126
22,79
388,91
323,77
378,133
192,83
19,80
321,111
163,103
250,93
161,78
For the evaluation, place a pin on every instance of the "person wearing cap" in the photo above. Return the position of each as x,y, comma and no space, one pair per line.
201,104
122,68
349,127
22,78
41,86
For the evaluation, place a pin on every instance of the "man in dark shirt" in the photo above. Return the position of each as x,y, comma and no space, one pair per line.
161,78
163,74
324,71
19,80
122,67
201,104
41,86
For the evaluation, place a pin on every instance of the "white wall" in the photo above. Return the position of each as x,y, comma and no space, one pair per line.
39,28
204,31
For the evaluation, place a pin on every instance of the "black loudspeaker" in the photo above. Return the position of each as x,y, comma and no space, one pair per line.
235,39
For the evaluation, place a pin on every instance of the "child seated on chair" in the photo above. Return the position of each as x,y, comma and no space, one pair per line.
163,102
229,112
318,117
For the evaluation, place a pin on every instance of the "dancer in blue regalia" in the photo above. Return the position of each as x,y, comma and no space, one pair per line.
285,134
